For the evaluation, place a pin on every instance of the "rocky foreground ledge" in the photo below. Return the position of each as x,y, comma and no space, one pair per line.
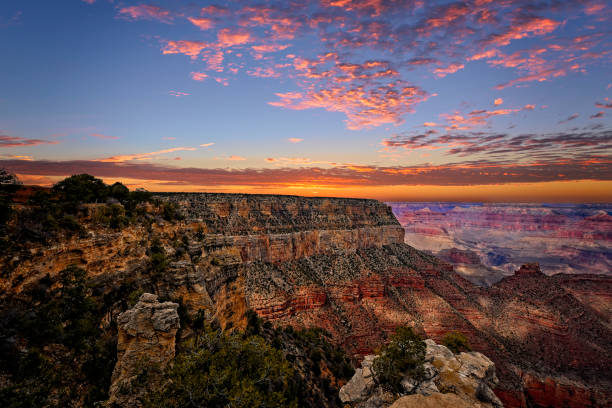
450,380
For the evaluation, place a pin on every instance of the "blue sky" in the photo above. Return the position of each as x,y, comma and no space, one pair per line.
334,97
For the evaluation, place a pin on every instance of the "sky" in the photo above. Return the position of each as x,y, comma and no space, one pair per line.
480,100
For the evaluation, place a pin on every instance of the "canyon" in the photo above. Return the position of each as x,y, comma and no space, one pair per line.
486,242
342,265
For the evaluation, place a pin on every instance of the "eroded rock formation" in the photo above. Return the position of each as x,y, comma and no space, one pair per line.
469,377
146,345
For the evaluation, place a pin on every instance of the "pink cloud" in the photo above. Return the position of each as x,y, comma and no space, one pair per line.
142,156
101,136
451,69
229,37
15,141
198,76
364,108
269,47
295,140
524,27
146,12
190,48
201,23
538,77
178,94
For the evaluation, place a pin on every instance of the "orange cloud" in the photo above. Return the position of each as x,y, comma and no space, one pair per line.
295,140
364,108
198,76
146,12
524,27
15,141
229,37
207,144
190,48
234,157
451,69
142,156
538,77
201,23
270,47
498,101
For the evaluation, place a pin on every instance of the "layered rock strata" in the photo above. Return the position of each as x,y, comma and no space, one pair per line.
341,264
145,346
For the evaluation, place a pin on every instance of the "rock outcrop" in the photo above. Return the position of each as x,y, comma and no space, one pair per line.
468,377
145,346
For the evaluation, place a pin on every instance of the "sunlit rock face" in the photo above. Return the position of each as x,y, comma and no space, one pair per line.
486,242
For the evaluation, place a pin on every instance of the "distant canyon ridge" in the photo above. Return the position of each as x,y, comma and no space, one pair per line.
485,242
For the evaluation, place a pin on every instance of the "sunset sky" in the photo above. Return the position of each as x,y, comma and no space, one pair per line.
507,100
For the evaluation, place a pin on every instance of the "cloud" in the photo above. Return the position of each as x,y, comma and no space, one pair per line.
597,115
201,23
189,48
17,157
475,172
15,141
451,69
142,156
229,37
295,140
542,76
523,26
498,101
570,118
198,76
503,146
605,105
178,93
234,157
364,108
269,47
101,136
146,12
207,144
169,138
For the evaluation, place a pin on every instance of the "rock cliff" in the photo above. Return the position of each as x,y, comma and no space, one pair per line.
146,344
341,264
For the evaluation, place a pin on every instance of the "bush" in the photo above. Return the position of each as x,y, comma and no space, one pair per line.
81,188
404,355
456,342
218,370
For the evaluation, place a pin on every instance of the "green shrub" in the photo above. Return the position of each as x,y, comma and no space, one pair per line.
456,342
404,355
219,370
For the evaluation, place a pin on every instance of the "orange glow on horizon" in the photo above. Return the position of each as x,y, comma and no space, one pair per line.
581,191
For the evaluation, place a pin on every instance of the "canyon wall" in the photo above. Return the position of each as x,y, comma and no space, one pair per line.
486,242
342,265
